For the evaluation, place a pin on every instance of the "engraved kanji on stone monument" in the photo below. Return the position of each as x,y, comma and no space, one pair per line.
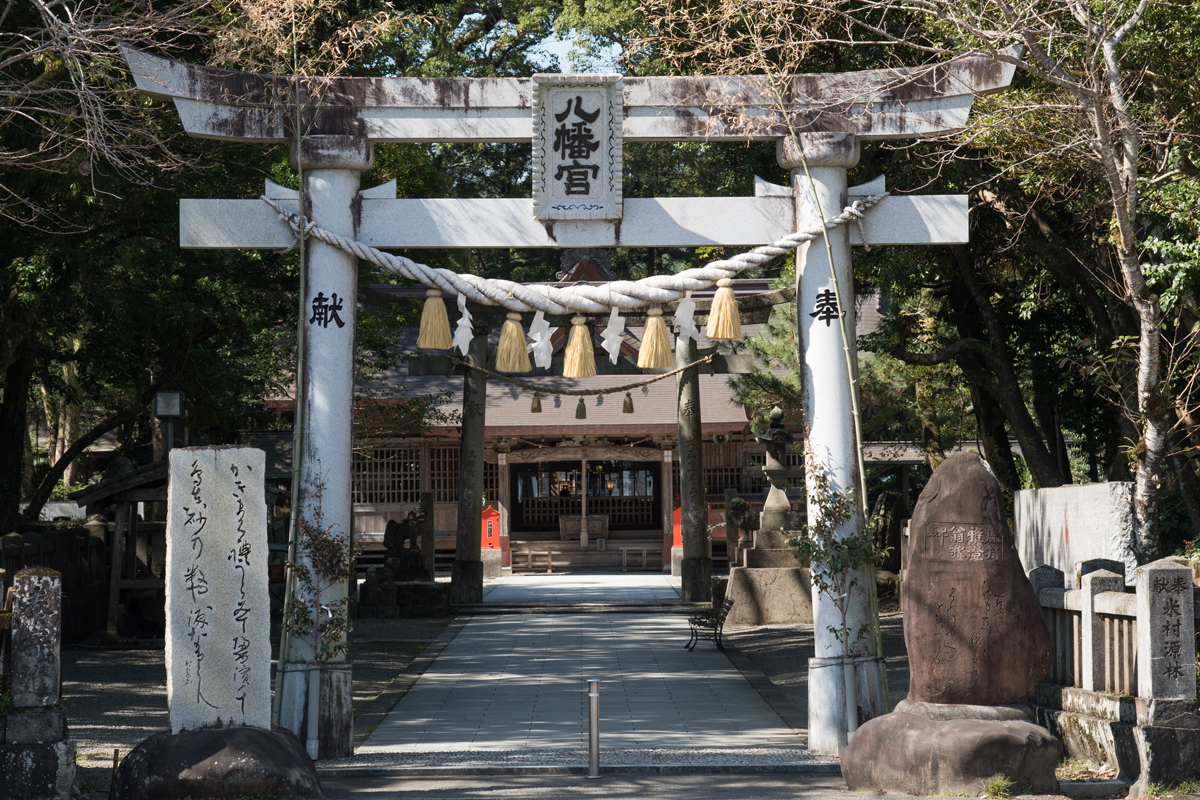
37,622
1166,631
972,622
218,648
577,147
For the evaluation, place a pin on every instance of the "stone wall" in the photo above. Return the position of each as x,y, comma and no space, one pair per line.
1062,526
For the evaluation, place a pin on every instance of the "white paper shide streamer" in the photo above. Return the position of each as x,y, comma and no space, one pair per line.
463,334
541,347
687,326
612,335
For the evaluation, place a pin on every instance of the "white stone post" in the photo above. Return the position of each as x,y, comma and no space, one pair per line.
829,416
218,638
332,165
1166,633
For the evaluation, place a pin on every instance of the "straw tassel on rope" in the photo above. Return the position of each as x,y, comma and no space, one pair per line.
724,320
655,352
580,361
512,354
434,333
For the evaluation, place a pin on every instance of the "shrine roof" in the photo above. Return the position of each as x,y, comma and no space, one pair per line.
654,406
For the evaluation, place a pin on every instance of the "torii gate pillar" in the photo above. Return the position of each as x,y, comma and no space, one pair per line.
829,417
325,383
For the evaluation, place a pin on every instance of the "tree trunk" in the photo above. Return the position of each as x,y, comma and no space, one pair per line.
1002,382
994,436
1047,414
931,432
1189,489
14,433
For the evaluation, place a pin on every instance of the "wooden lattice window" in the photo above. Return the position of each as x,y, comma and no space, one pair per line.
388,475
443,473
491,482
718,479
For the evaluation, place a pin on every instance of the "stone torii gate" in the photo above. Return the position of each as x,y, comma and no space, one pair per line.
342,118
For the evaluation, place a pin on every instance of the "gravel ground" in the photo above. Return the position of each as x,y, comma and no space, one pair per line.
781,652
115,699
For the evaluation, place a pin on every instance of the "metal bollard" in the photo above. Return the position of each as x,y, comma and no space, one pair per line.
593,728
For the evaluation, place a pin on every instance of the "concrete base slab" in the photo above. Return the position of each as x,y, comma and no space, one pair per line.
771,596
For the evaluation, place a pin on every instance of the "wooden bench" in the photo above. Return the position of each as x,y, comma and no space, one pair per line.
709,624
535,559
625,557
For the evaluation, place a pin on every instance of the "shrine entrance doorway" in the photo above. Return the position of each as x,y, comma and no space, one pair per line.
628,493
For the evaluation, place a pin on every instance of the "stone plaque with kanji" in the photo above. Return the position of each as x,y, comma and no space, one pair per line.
218,645
577,146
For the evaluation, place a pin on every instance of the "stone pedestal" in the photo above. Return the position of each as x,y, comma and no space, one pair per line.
943,754
492,559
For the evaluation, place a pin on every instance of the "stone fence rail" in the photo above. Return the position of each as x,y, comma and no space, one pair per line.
1122,686
1096,630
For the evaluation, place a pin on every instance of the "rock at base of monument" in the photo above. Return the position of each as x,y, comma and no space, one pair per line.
772,596
37,771
904,753
941,711
466,583
218,763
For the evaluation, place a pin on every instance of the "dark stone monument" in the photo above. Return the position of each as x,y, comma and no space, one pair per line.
969,610
977,646
218,762
404,586
37,755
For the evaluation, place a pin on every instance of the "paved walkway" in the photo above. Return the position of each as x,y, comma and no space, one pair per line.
516,682
569,589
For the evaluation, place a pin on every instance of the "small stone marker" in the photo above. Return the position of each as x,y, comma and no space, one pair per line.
973,625
1166,645
36,635
218,647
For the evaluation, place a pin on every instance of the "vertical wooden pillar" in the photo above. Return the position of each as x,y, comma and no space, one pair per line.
504,490
667,483
117,562
428,533
466,578
696,569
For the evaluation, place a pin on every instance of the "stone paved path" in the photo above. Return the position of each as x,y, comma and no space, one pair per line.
615,589
514,682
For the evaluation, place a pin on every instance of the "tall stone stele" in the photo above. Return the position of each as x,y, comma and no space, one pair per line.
37,757
977,646
218,645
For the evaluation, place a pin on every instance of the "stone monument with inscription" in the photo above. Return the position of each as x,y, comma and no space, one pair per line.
977,646
218,645
37,756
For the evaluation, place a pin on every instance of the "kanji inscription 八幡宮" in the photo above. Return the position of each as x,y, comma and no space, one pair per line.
577,147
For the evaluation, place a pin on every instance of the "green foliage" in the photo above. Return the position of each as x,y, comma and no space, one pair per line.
836,557
323,565
997,787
